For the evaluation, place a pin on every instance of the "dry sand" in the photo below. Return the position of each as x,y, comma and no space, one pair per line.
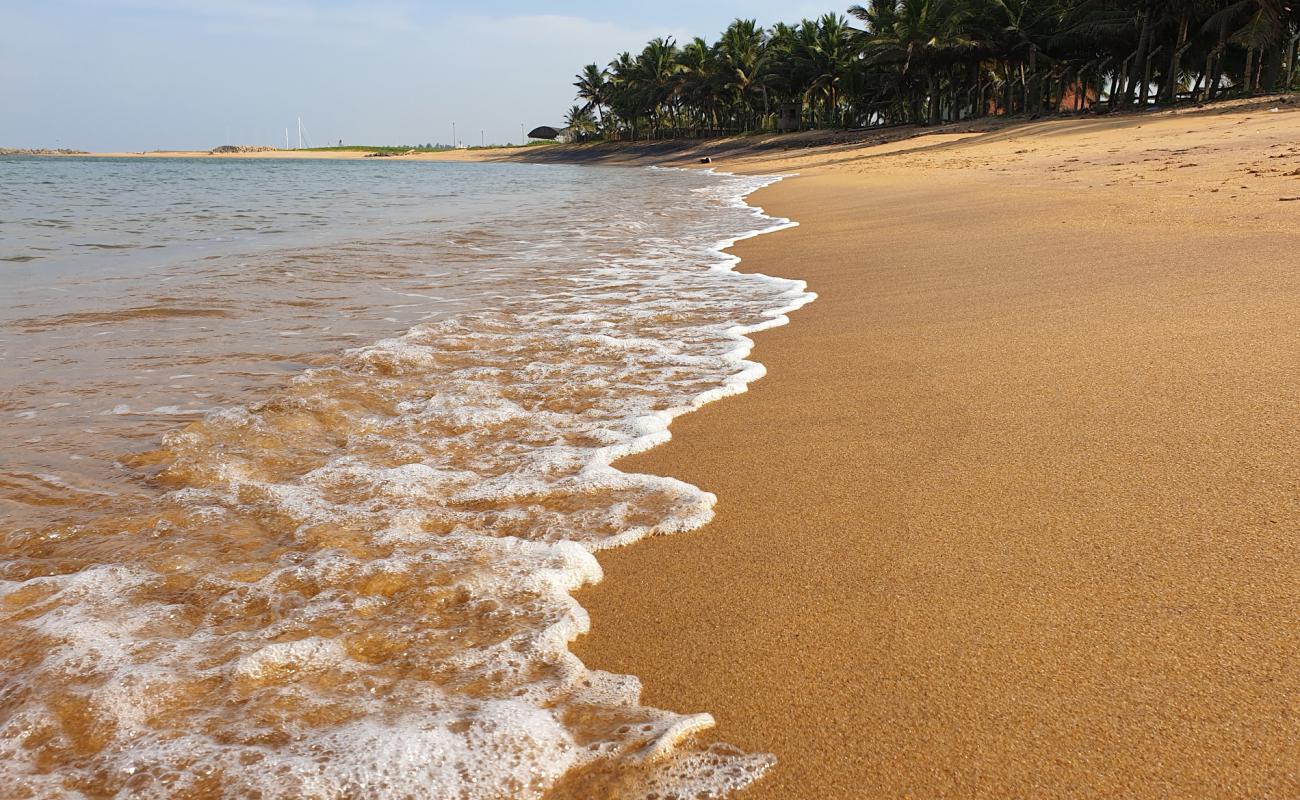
1017,511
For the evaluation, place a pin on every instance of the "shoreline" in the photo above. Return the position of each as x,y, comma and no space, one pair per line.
693,351
818,145
1009,515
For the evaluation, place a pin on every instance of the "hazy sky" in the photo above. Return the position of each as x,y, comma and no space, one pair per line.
192,74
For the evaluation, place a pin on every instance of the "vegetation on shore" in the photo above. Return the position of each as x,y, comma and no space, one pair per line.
392,149
934,61
399,150
40,151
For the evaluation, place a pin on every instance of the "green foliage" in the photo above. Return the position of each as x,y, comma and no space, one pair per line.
417,148
580,121
931,61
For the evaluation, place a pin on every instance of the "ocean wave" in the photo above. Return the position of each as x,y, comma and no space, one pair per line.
362,585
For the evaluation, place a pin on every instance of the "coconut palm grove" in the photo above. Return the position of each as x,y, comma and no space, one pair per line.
935,61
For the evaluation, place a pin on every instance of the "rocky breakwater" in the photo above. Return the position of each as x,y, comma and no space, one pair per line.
227,149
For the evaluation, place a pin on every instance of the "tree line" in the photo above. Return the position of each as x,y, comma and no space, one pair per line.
933,61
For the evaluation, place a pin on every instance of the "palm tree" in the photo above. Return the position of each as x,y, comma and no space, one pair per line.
624,93
831,49
787,69
925,61
580,122
657,75
922,36
1022,30
700,82
1263,29
743,57
593,86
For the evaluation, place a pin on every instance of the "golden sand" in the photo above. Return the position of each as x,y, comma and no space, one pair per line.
1017,511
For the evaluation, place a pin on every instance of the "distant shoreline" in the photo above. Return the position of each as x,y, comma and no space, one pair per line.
678,152
40,151
299,155
476,154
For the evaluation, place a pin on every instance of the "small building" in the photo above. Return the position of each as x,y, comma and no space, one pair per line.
790,117
1079,96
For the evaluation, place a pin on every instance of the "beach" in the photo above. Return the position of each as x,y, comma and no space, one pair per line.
1011,512
1014,513
650,401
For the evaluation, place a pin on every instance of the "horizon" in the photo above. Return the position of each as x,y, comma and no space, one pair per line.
146,75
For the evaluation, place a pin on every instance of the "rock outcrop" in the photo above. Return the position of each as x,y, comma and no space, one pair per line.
241,148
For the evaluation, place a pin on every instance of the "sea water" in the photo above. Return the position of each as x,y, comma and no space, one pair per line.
300,463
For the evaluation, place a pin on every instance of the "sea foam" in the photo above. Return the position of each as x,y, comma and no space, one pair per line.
362,585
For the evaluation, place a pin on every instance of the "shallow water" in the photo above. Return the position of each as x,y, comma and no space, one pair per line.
301,462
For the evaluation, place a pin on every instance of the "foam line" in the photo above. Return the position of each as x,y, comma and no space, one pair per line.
796,294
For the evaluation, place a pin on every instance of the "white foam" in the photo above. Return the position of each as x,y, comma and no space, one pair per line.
448,500
304,654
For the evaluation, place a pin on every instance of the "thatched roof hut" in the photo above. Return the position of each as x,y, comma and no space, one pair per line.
544,132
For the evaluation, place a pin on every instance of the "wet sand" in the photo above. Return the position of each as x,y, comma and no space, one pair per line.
1016,512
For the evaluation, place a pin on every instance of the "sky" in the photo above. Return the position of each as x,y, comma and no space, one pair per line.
133,75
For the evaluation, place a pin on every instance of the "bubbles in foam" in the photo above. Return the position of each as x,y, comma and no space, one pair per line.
362,586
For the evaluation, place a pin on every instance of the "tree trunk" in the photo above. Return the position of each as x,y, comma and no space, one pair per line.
1140,58
1248,75
933,89
1211,81
1034,91
1294,63
1024,89
1171,78
1218,54
1006,88
1145,93
1272,62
